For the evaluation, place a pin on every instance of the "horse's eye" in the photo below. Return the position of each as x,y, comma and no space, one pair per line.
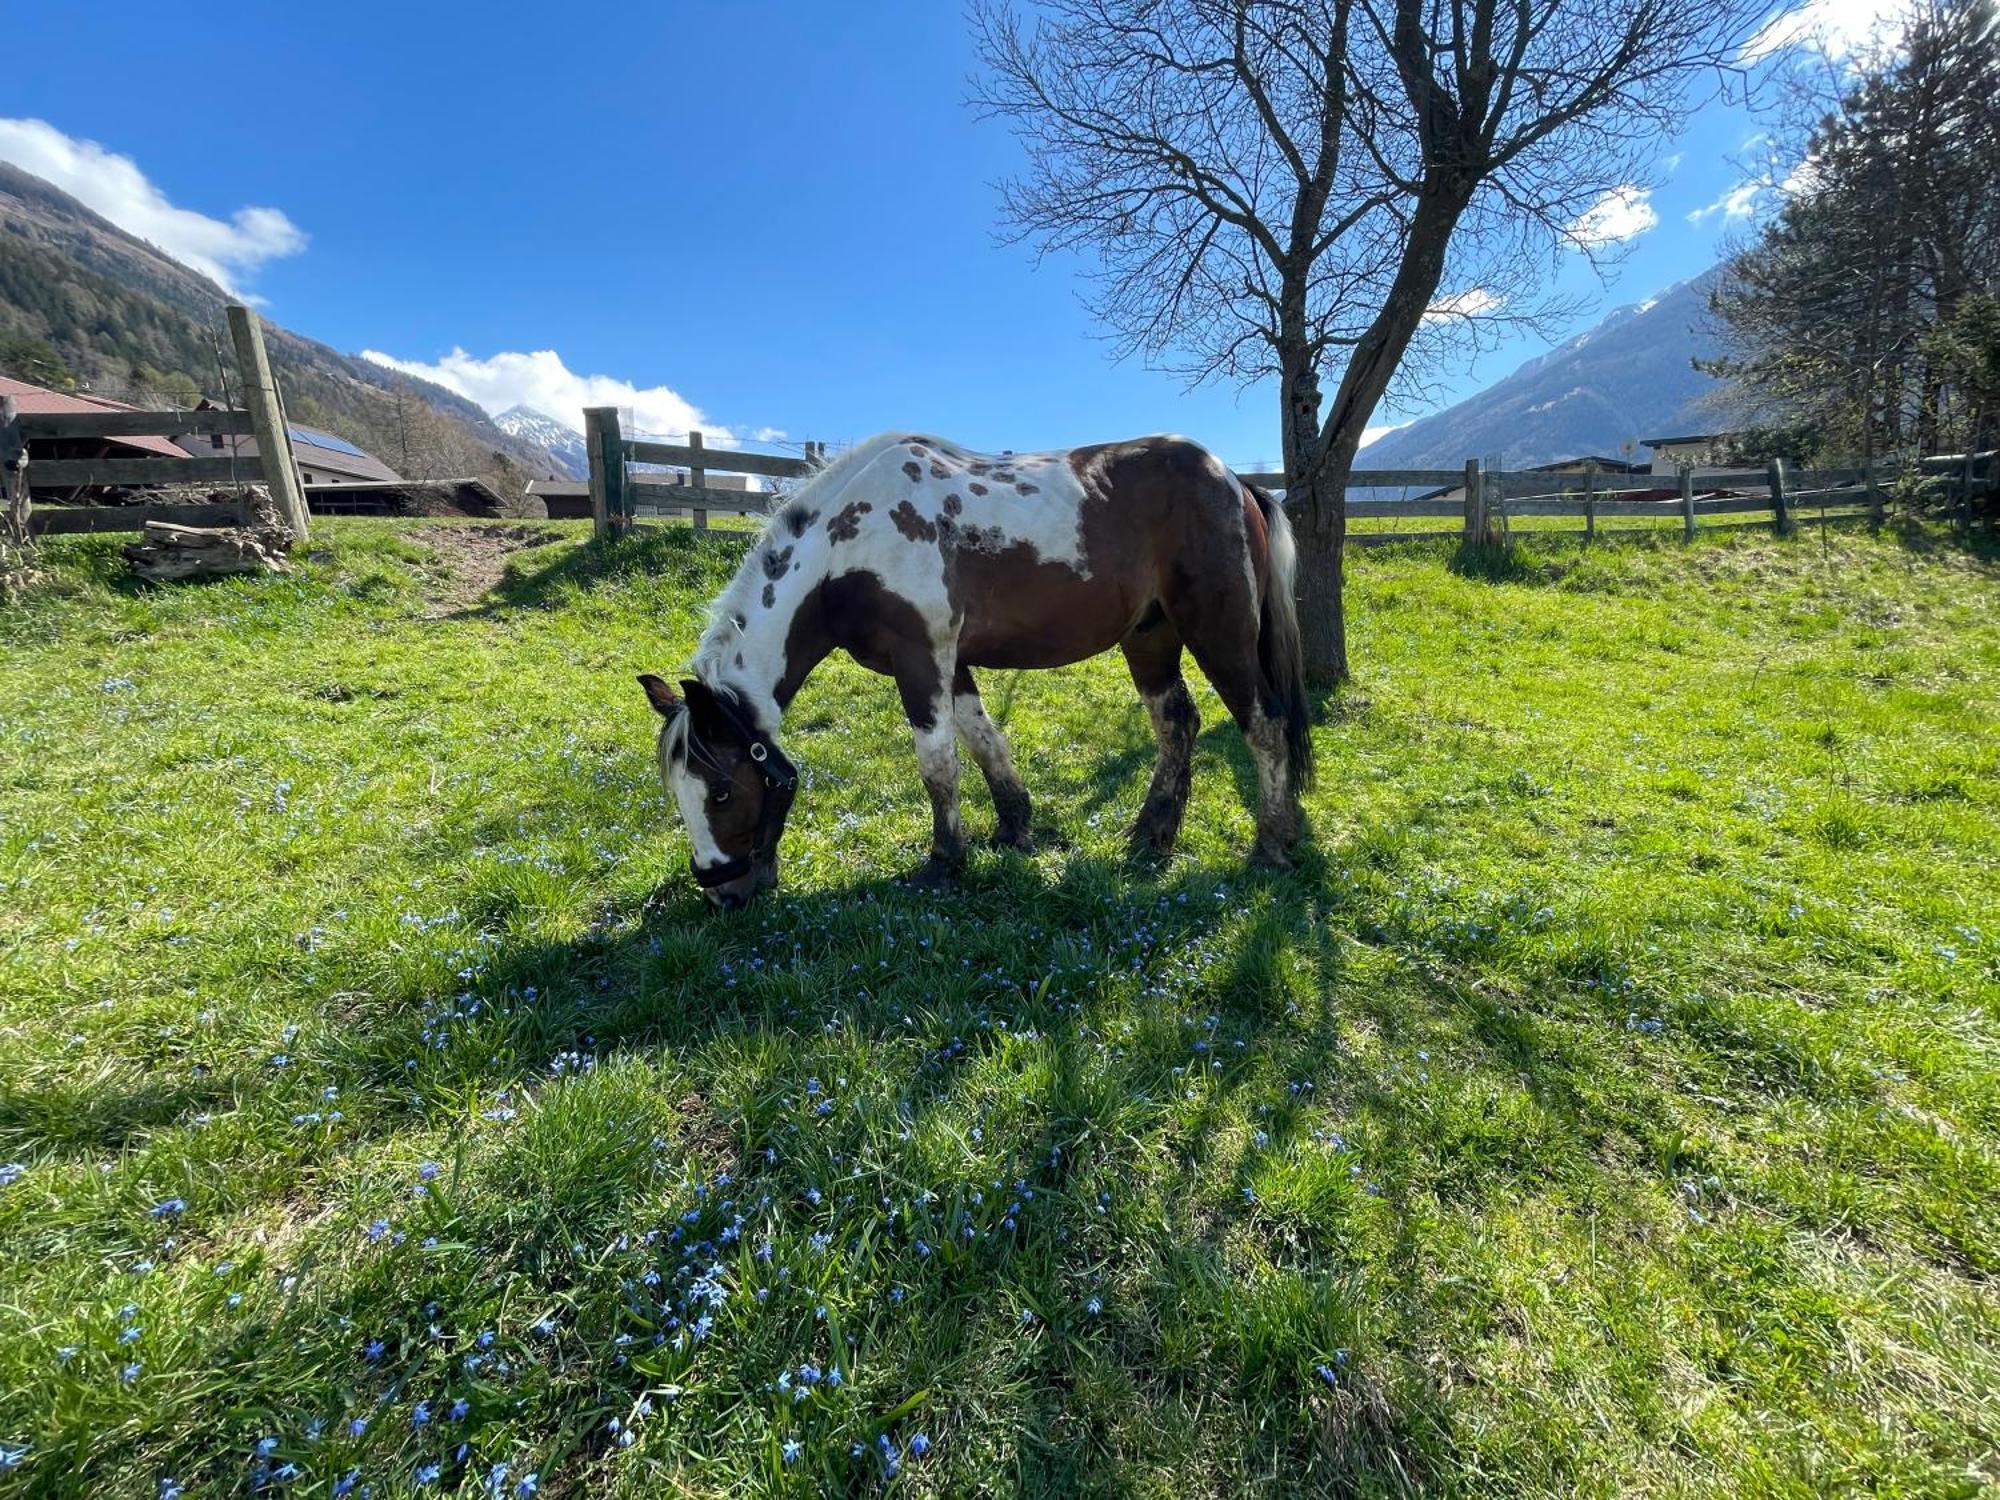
718,794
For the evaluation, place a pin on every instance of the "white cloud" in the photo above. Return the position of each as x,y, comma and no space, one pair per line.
113,186
541,380
1738,202
1621,214
1473,302
1837,28
1376,434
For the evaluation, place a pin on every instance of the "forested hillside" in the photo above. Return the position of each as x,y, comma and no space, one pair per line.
82,301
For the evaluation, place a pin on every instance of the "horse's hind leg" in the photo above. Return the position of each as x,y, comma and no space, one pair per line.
989,747
1153,653
1221,631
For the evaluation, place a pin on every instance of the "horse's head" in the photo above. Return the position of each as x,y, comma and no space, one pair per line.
732,783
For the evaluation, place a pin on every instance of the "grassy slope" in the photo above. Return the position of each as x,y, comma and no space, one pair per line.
1610,1105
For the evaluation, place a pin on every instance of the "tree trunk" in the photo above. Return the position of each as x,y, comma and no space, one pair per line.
1322,534
1318,511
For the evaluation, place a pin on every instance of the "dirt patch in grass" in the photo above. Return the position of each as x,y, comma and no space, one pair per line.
470,560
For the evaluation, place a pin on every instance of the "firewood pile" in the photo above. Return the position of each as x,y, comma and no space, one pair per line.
170,553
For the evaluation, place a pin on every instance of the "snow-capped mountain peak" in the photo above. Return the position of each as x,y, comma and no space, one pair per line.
564,443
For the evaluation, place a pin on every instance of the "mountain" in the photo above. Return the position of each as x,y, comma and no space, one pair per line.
563,444
133,324
1630,377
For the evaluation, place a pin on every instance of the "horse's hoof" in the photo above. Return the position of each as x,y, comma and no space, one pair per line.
1270,857
1014,838
935,874
1153,835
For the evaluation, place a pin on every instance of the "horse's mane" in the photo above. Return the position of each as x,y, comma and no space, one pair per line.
731,607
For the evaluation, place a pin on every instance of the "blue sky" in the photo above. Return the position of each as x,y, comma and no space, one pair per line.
760,216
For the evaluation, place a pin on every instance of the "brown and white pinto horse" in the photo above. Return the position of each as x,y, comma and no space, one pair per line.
923,561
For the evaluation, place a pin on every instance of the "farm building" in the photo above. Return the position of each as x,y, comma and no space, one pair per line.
40,400
1696,449
323,459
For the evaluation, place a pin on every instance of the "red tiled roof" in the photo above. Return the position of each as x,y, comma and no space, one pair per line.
40,399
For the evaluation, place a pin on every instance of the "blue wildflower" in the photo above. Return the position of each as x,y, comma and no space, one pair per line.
459,1408
791,1449
373,1350
167,1208
420,1414
919,1445
429,1473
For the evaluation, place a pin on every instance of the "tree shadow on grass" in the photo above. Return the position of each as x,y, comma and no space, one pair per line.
1200,1365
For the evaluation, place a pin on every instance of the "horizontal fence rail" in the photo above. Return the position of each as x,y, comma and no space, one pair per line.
72,520
1484,501
110,424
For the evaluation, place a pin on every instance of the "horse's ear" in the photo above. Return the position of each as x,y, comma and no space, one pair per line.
666,702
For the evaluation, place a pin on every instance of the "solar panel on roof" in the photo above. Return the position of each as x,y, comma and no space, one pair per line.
324,440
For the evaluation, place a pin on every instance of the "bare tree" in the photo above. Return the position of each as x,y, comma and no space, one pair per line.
1312,188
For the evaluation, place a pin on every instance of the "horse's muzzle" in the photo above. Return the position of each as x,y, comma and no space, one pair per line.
731,894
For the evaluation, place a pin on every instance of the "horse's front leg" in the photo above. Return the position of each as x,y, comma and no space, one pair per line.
924,682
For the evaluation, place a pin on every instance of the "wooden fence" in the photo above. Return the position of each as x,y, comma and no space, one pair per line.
264,419
1485,502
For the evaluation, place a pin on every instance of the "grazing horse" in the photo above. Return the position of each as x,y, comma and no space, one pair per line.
923,561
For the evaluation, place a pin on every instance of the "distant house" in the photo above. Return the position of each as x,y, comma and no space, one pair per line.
322,457
1695,449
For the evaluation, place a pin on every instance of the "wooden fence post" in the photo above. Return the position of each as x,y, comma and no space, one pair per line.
698,478
1781,514
13,473
1687,503
1475,503
267,419
1876,510
604,445
1589,506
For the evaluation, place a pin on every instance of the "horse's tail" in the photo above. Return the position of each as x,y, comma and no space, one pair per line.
1279,652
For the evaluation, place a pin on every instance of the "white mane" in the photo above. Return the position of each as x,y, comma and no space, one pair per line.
731,608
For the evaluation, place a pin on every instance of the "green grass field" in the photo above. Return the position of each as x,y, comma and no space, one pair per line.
1610,1104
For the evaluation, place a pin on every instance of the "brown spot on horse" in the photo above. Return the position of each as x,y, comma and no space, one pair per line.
1026,488
977,488
953,505
912,524
846,523
939,471
914,470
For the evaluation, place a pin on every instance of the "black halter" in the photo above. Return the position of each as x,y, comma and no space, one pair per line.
781,784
